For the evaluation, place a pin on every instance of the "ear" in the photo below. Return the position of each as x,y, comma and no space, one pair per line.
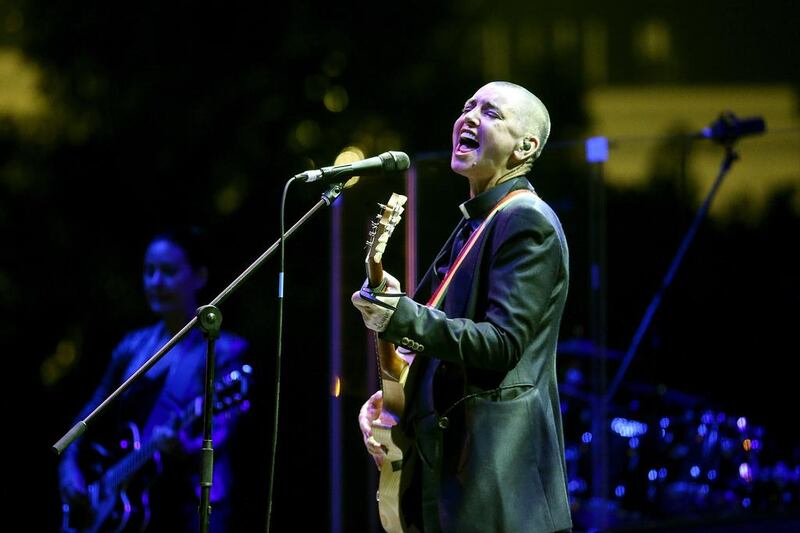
527,147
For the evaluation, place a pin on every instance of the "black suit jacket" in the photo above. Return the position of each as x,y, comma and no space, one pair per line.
482,401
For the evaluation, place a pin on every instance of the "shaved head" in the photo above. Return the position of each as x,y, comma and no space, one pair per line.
500,133
533,118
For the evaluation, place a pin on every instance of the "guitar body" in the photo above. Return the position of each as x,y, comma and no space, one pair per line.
392,376
119,476
390,488
122,509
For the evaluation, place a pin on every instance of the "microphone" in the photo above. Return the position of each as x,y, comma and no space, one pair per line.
386,162
728,127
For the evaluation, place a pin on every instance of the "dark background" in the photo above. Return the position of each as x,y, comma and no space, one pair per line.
168,111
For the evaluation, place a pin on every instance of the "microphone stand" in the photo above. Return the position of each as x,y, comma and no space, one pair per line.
210,319
725,166
210,322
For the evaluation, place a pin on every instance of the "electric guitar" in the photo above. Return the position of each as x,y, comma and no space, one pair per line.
392,372
112,505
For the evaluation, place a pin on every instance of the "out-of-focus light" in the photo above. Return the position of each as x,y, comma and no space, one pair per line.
633,442
662,473
729,445
654,40
575,485
628,428
712,475
619,491
56,366
596,150
228,199
350,154
746,472
335,99
574,376
702,429
745,502
707,418
307,133
741,423
21,96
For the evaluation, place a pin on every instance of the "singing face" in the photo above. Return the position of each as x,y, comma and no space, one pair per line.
487,133
171,282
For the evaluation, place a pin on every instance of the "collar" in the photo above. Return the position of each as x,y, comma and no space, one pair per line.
479,206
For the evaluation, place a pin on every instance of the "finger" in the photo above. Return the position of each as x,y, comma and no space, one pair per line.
365,424
376,448
377,398
393,284
358,301
368,310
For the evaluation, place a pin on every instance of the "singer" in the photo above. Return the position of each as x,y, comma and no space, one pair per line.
482,402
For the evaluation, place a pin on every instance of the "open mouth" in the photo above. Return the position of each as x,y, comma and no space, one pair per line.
467,142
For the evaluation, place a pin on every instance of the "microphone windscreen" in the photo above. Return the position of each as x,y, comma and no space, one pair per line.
397,161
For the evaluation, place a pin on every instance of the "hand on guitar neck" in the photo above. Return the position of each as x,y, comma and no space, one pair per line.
377,300
376,307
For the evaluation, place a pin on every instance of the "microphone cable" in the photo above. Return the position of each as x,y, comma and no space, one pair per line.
278,351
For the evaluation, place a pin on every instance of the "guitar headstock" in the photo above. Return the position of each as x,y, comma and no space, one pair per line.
383,226
230,391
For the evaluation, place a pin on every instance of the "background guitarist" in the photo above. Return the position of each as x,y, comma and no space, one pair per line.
175,270
482,404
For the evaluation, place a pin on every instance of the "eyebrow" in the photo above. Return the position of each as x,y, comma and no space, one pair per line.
489,105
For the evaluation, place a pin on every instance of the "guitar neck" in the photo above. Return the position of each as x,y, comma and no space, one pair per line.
127,467
391,365
375,274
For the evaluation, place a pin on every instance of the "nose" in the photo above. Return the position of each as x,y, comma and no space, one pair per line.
471,117
153,278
